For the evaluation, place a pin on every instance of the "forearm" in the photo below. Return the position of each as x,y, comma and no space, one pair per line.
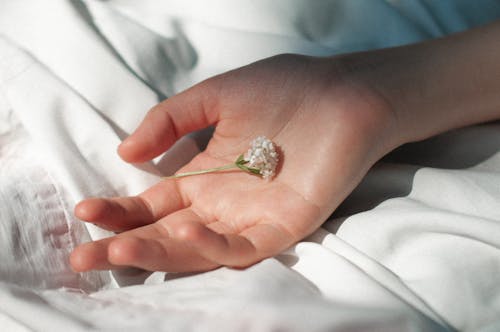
437,85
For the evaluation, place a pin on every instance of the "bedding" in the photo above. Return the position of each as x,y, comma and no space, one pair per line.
414,248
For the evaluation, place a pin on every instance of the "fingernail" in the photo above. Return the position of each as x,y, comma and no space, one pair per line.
126,141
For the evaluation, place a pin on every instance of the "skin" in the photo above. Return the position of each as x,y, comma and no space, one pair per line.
332,119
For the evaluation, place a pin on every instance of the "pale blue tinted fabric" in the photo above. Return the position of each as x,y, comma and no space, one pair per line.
353,25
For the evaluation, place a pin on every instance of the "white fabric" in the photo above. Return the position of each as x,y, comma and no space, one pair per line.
77,77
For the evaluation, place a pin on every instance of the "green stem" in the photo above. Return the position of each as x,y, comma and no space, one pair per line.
203,171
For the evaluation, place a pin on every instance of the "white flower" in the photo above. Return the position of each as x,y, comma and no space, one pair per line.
260,159
262,156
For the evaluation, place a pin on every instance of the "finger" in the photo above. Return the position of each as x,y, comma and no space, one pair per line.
91,256
238,250
149,247
168,121
115,214
161,254
147,254
158,251
124,213
94,255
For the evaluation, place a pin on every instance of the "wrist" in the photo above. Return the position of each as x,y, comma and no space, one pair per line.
375,110
433,86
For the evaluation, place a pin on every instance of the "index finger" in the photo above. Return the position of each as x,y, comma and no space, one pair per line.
168,121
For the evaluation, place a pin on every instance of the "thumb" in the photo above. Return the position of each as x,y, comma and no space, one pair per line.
168,121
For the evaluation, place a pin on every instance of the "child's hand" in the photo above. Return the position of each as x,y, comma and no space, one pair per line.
329,131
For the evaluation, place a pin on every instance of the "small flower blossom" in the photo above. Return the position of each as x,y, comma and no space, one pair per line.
261,159
262,155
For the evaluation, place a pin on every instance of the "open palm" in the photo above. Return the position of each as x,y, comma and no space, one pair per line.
328,135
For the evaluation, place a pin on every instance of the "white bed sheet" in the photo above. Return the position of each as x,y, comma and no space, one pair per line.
414,248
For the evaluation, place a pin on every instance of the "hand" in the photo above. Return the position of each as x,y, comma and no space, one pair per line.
329,131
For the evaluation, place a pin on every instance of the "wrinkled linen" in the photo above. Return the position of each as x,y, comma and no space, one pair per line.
414,248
